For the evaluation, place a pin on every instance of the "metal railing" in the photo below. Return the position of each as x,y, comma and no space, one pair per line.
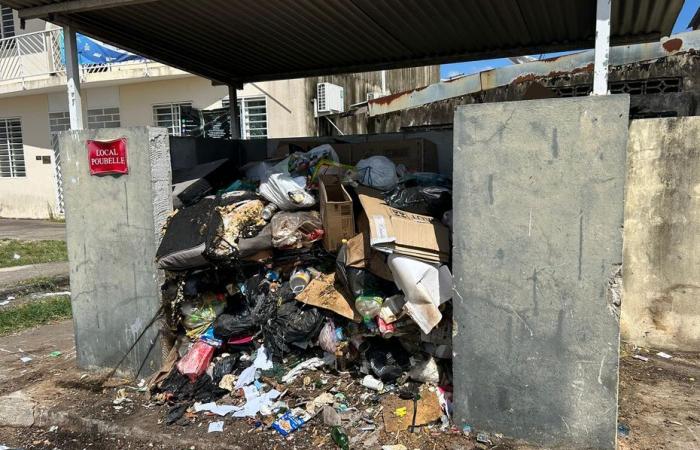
29,55
37,54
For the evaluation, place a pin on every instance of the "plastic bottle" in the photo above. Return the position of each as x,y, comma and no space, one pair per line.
340,438
368,306
269,211
299,279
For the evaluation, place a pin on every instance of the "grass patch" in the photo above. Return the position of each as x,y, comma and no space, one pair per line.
34,313
31,252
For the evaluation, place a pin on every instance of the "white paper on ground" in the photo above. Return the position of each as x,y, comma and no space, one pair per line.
255,401
664,355
3,303
262,362
426,286
25,359
216,426
309,364
212,407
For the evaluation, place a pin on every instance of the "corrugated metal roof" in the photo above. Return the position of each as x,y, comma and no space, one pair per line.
489,79
253,40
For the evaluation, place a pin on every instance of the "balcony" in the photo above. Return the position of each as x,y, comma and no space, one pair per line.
36,61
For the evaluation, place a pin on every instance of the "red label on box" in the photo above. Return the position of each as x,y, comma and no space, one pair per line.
107,157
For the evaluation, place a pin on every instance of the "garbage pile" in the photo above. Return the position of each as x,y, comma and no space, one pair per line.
307,264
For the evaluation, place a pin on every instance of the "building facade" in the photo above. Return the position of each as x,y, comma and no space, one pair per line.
134,92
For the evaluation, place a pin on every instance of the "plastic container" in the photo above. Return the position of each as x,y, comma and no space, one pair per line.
368,306
372,383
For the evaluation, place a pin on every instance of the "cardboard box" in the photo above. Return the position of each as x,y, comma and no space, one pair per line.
416,154
395,231
336,212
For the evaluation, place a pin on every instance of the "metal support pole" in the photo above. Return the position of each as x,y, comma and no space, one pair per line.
233,112
75,102
602,47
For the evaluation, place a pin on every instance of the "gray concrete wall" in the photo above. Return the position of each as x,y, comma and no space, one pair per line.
539,186
661,289
113,229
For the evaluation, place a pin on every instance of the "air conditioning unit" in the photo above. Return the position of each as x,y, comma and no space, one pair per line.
330,99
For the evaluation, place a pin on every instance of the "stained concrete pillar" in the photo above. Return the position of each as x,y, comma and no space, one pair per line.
113,228
661,272
538,194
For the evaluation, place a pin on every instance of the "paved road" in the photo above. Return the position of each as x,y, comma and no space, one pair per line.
14,275
32,230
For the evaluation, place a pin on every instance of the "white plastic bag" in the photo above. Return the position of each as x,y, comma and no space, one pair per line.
286,192
378,172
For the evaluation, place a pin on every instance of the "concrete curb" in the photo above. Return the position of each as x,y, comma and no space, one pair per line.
19,410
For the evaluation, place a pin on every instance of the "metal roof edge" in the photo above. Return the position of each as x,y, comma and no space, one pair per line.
624,54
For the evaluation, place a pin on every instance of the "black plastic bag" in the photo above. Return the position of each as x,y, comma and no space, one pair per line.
230,325
293,323
224,366
422,193
387,359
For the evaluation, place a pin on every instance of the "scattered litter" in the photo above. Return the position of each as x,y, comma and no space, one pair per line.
309,364
394,447
340,438
664,355
640,357
623,429
53,429
4,302
483,438
55,354
331,417
400,412
121,397
287,424
372,383
16,256
25,359
216,427
220,410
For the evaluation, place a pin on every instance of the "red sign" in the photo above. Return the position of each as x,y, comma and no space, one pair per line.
107,157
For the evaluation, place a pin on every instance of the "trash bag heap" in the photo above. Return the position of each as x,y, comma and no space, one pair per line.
306,264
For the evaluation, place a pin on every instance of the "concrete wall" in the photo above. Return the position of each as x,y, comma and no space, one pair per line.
538,189
34,195
661,289
113,228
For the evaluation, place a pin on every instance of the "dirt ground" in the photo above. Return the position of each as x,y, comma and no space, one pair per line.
658,403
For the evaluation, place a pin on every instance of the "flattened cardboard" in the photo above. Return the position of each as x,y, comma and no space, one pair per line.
428,410
395,231
361,256
322,293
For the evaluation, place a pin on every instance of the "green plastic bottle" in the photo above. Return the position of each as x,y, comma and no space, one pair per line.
340,438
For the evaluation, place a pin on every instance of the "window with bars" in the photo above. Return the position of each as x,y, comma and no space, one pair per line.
7,22
11,149
253,116
170,116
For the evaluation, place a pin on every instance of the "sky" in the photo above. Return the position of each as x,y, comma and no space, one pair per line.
466,68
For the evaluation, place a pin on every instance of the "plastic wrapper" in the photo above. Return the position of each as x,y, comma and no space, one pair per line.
422,193
196,361
296,230
327,338
303,163
287,192
378,172
197,318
